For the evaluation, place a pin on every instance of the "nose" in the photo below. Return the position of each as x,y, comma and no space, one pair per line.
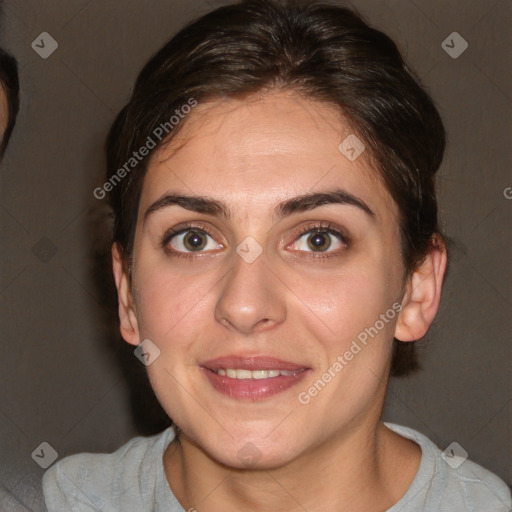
252,298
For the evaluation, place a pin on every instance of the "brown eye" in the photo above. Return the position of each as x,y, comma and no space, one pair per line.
194,241
190,240
319,241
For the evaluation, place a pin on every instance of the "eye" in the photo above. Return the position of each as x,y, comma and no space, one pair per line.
320,240
189,240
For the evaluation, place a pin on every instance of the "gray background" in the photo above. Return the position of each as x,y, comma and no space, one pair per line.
60,375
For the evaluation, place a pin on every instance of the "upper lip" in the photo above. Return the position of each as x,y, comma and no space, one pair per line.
251,362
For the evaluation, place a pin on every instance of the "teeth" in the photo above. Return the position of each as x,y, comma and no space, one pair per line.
256,374
259,374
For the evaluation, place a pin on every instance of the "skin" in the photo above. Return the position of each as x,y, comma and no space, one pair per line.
292,303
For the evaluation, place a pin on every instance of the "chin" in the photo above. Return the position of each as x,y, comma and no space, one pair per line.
250,457
251,451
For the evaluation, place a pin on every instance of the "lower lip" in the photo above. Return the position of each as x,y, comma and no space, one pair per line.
252,389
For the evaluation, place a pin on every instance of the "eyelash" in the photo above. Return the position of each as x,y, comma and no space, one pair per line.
321,227
171,233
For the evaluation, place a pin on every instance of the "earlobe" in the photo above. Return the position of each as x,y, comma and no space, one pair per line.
423,294
127,317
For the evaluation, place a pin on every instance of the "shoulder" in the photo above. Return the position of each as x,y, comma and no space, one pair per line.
447,481
92,481
480,489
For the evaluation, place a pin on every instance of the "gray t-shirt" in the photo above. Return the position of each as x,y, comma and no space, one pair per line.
133,480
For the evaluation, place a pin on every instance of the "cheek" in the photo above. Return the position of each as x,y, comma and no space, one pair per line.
344,305
170,305
354,321
172,311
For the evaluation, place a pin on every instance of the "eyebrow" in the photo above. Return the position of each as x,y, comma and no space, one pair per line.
302,203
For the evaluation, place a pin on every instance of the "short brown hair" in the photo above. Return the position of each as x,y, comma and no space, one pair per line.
324,52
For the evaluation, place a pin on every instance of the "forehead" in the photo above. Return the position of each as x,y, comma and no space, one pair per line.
258,151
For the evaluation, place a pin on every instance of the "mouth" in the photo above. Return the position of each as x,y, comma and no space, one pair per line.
240,373
252,377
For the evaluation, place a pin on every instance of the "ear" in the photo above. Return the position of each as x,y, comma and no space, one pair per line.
423,294
128,321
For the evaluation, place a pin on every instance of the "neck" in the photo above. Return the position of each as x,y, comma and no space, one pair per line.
354,471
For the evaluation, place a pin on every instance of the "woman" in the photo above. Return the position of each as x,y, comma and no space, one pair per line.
276,254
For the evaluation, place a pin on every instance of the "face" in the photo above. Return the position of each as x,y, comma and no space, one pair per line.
260,248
